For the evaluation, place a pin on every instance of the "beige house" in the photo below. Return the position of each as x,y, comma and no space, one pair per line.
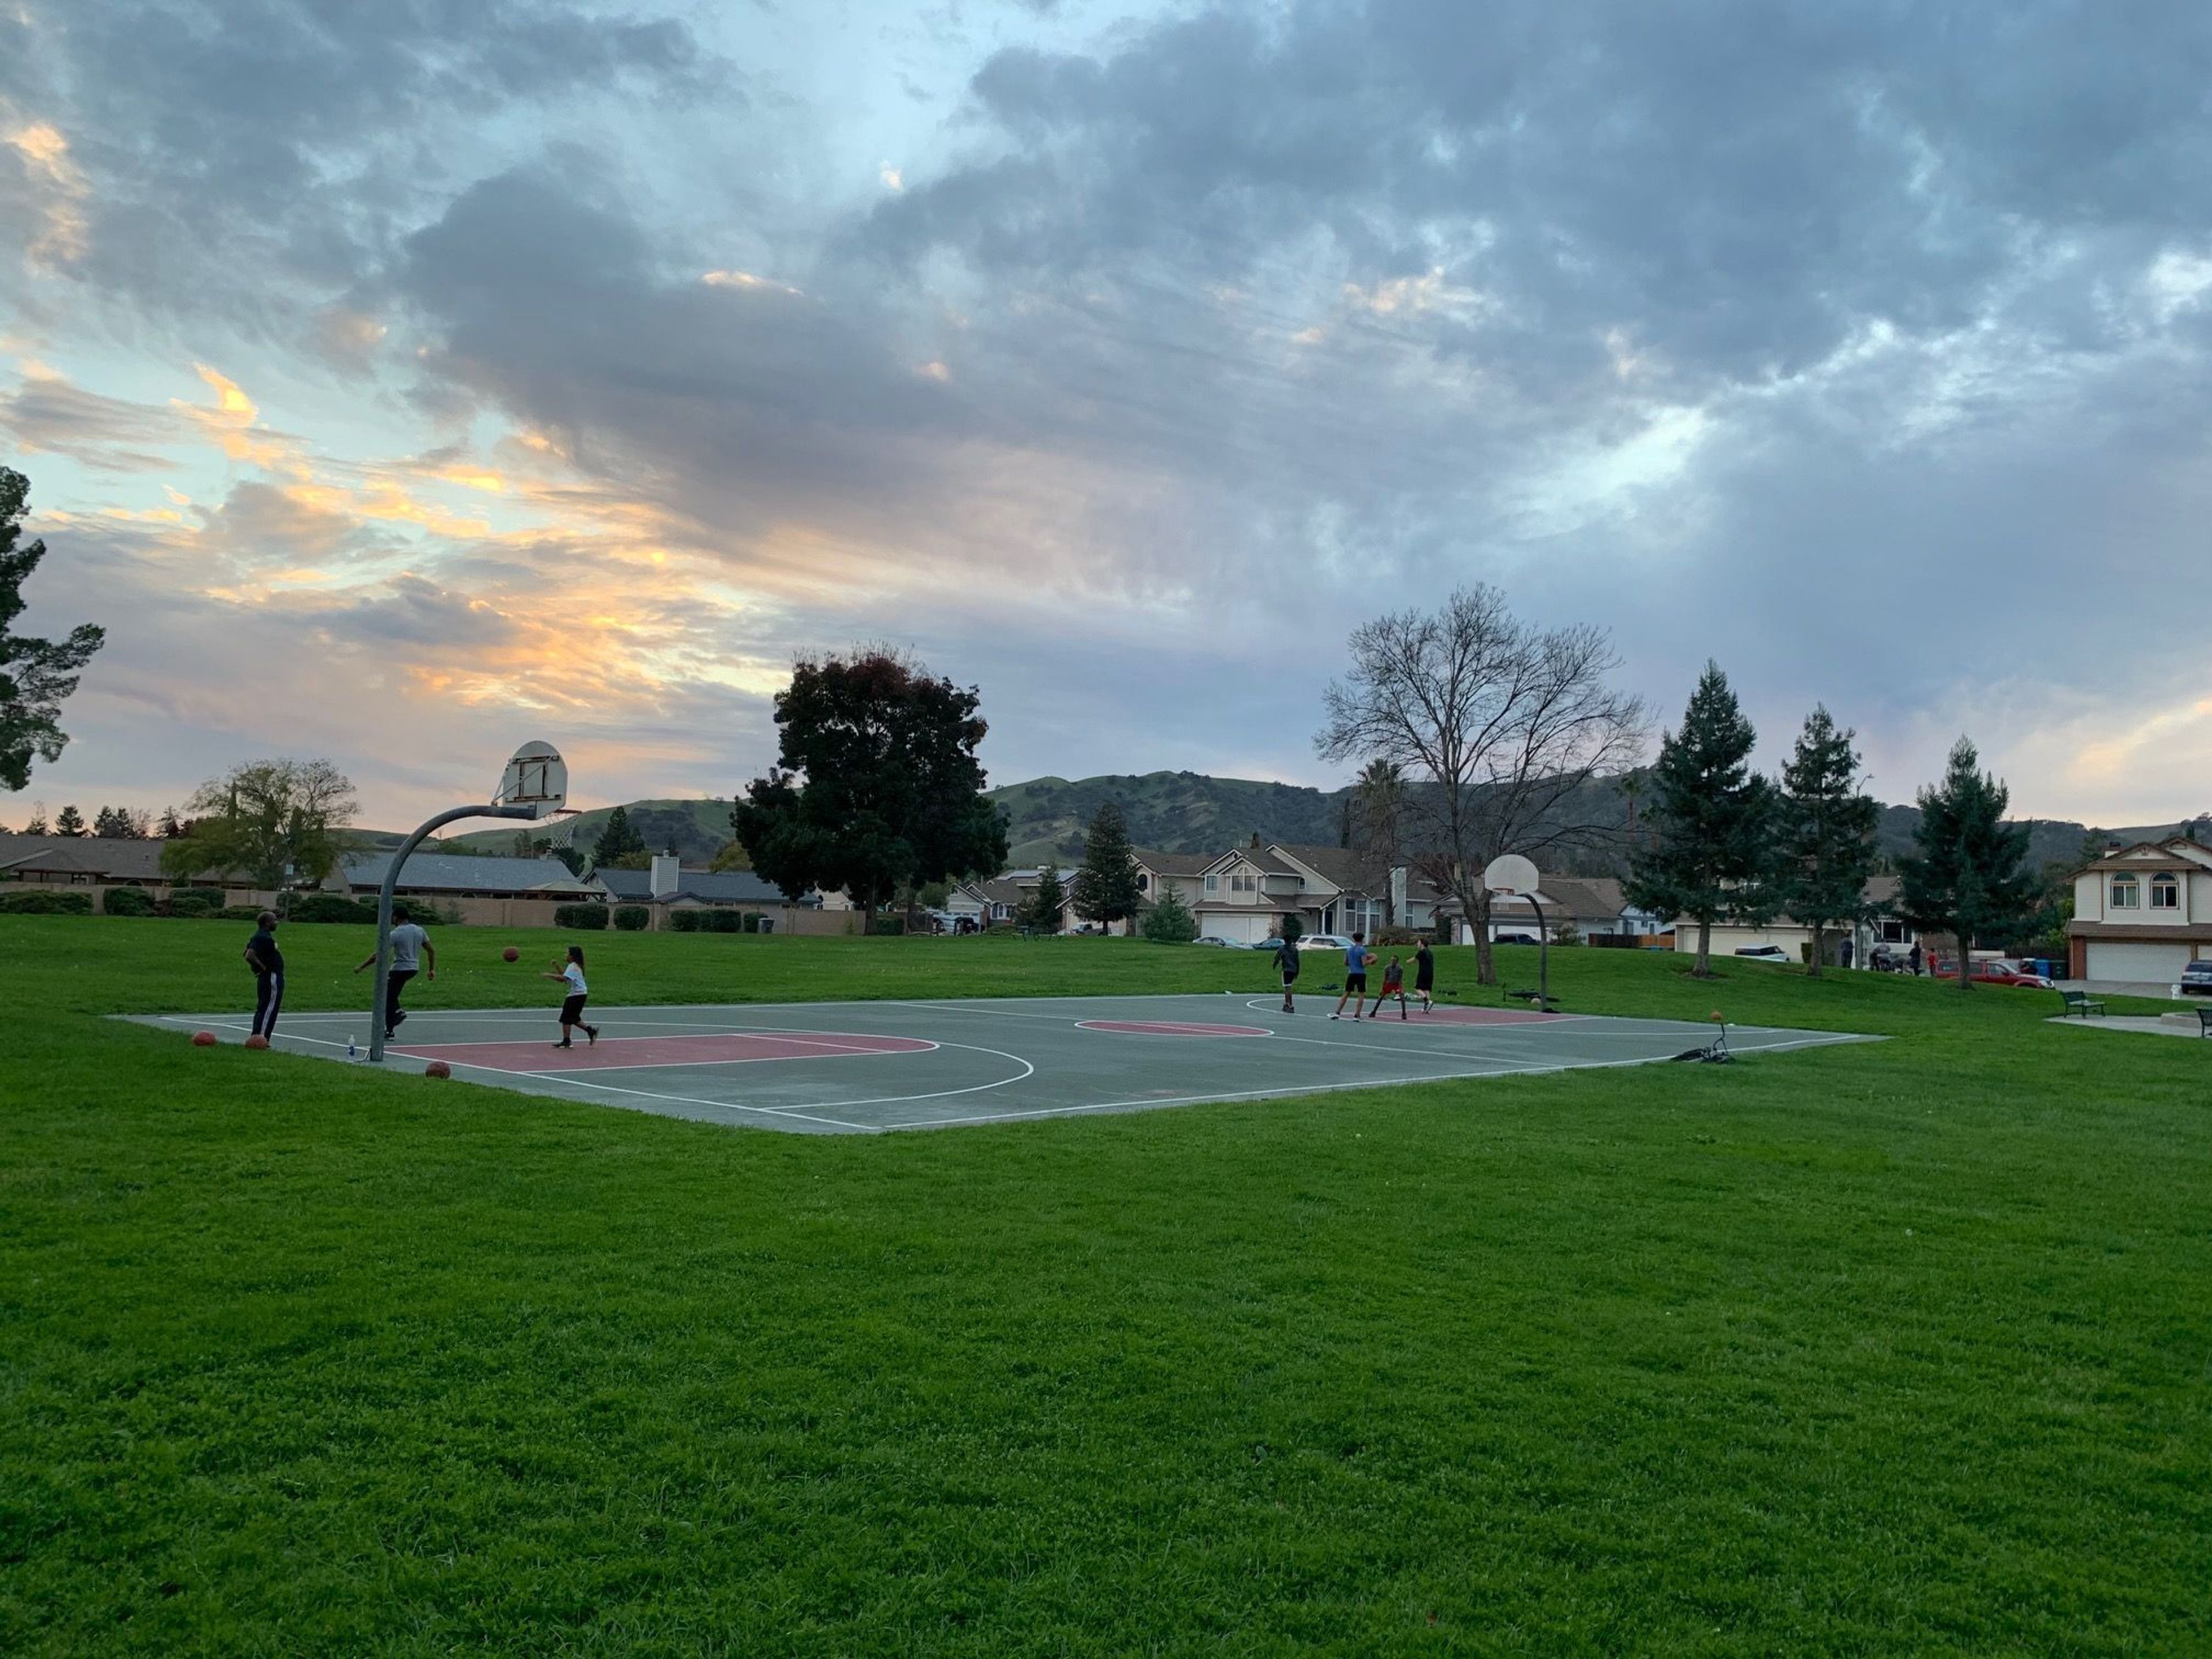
2141,912
1795,938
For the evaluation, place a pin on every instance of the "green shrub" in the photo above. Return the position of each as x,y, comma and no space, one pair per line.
584,918
325,907
687,921
890,924
726,921
1170,922
239,913
37,901
127,901
189,905
632,918
752,922
210,896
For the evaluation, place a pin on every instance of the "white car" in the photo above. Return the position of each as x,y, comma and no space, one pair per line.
1764,953
1323,942
1215,940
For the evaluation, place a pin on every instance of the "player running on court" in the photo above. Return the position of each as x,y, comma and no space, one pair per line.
411,948
1393,984
1356,956
571,975
1425,976
1286,964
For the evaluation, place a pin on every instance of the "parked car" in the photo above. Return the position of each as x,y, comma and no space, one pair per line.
1214,940
1515,936
1995,970
2195,979
1763,953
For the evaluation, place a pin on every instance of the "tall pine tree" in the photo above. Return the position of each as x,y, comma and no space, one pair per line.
1105,889
1047,907
1824,841
1712,818
1969,877
35,675
618,840
70,823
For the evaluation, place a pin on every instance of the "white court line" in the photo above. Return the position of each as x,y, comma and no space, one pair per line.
639,1094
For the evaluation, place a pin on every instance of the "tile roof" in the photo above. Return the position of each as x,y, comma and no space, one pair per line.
454,873
702,886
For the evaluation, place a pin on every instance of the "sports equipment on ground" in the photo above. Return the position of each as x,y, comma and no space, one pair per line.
510,954
437,1068
204,1039
257,1041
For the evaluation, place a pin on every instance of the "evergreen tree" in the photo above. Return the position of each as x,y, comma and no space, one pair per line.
1712,818
1824,838
1105,889
70,822
37,825
1968,877
121,824
618,841
35,675
172,825
1046,909
1169,921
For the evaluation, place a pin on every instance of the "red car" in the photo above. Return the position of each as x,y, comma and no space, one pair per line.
1996,972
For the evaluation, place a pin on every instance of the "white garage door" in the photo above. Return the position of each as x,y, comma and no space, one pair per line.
1237,930
2109,960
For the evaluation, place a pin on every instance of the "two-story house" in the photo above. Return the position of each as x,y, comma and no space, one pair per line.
2141,912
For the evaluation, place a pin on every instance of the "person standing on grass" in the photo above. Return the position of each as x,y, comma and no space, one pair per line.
571,973
1393,984
411,948
1425,976
1914,958
1286,964
268,965
1356,956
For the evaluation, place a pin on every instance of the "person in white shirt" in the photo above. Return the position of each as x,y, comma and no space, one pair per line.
410,949
571,973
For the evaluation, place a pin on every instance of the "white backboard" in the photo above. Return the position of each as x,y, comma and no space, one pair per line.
1510,872
536,776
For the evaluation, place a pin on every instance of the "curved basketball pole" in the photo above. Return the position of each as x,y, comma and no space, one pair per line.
534,786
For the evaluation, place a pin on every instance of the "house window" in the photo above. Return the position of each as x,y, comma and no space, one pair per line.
1211,882
2127,894
1243,882
1144,882
2165,892
1892,932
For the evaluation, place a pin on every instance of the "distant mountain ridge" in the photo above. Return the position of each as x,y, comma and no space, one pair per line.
1192,813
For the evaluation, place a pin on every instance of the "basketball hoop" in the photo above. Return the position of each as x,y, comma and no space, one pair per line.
1510,875
535,777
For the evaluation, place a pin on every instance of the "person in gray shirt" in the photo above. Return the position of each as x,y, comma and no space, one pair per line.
410,949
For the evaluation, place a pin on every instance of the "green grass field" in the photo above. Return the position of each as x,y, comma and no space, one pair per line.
1901,1347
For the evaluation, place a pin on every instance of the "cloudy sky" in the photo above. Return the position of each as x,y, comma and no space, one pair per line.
399,380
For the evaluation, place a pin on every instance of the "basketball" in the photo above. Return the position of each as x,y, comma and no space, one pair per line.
510,954
204,1039
257,1041
437,1068
1714,1015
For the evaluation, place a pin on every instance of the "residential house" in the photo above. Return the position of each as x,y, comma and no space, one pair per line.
667,885
2141,912
1594,907
83,860
1795,938
499,892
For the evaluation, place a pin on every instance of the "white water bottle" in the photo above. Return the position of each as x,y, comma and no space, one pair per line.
350,1048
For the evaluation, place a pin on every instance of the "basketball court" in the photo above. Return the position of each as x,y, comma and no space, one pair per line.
860,1067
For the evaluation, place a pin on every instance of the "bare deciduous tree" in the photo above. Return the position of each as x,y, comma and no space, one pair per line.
1499,726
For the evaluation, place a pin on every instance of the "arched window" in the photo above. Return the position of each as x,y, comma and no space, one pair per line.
2165,892
2127,894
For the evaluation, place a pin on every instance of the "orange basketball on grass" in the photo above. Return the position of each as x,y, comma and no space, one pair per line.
257,1041
510,954
437,1068
204,1039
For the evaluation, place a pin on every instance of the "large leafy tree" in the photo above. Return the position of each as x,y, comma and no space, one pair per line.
276,822
1824,839
1496,728
1105,888
1712,818
1968,876
877,787
36,676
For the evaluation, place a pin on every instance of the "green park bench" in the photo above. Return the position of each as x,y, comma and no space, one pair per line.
2081,1003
